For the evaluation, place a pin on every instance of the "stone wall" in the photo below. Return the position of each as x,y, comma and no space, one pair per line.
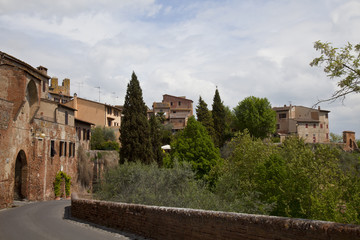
175,223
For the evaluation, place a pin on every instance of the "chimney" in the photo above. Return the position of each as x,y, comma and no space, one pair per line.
42,69
75,104
319,108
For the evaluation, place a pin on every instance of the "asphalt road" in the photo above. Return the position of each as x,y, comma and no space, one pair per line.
50,220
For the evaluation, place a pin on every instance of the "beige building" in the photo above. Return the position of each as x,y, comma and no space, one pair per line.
310,124
176,110
98,114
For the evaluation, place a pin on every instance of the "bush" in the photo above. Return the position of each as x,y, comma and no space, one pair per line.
148,184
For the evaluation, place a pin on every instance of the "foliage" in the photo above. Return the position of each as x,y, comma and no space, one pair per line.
103,138
336,138
218,115
155,137
256,115
148,184
294,180
194,145
230,123
135,130
235,182
342,63
204,116
61,176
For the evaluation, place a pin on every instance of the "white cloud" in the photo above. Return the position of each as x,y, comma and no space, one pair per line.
186,48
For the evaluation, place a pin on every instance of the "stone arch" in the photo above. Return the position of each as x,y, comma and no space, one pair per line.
21,172
32,97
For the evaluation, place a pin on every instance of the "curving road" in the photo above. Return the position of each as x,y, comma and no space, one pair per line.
50,220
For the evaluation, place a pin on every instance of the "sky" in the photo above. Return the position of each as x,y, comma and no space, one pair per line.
244,48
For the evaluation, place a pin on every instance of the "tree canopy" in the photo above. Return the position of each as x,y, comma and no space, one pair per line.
194,145
218,115
204,116
342,63
256,115
103,138
135,130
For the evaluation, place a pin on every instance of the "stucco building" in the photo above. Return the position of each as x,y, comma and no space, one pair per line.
310,124
176,110
37,135
96,113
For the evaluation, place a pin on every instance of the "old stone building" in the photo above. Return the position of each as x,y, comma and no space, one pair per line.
37,134
310,124
176,110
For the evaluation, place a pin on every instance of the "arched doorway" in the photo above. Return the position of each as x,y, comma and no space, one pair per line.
20,176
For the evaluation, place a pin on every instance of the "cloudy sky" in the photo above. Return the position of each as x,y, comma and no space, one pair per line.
186,48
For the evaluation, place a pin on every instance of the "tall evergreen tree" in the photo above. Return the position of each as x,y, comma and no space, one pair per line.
156,137
204,116
218,115
135,130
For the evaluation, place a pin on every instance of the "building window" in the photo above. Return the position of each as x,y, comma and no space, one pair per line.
277,126
179,103
327,136
44,86
306,125
314,125
282,115
109,110
109,122
57,99
327,126
65,145
70,149
52,148
61,149
84,133
79,133
88,135
73,150
171,103
66,118
321,126
326,115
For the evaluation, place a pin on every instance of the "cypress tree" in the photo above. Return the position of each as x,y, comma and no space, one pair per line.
218,115
155,136
204,116
135,130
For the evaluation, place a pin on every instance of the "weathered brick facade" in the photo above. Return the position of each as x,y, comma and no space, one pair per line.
176,223
32,129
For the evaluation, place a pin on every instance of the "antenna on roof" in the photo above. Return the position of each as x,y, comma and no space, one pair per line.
80,86
99,92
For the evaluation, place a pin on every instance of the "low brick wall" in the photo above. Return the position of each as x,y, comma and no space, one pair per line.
176,223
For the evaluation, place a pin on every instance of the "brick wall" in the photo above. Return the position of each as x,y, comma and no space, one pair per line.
175,223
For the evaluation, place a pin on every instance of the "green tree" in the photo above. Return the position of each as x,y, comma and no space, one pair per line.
218,115
194,145
336,138
204,116
135,130
97,138
342,63
103,138
156,137
256,115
